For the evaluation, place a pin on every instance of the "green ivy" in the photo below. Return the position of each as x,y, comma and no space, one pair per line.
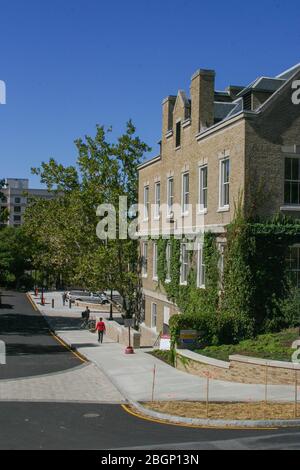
256,293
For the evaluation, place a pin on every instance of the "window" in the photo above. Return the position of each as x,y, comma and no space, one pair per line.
17,200
185,193
154,260
178,134
153,315
292,181
224,183
157,201
145,259
203,187
146,202
170,195
17,209
293,265
17,218
168,261
200,268
184,263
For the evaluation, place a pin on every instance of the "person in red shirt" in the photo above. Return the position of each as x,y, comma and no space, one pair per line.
100,327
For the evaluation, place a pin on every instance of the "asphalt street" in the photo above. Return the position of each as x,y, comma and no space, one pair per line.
33,351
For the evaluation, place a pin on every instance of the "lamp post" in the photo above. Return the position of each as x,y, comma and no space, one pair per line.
111,306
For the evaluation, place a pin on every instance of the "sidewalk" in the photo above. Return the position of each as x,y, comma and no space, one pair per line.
133,374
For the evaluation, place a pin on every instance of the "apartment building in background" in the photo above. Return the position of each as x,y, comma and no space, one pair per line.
216,147
17,196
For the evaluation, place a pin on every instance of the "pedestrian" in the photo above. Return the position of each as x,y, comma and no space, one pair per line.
64,298
85,316
100,327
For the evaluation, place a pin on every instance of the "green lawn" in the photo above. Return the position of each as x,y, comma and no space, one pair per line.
275,346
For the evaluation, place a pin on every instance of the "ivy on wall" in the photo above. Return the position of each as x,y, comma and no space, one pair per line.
256,295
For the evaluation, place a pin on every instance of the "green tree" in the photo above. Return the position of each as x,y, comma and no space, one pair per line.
15,258
64,229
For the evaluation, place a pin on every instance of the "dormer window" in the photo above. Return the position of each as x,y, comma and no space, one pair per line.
178,134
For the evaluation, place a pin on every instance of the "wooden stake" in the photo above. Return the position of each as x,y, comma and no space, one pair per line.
207,397
266,390
153,383
296,395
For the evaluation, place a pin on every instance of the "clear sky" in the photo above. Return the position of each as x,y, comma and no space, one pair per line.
69,64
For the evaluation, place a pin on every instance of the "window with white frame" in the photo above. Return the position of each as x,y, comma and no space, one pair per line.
203,187
157,201
185,192
293,265
170,195
292,181
168,261
200,267
153,315
224,182
146,203
184,271
144,259
154,260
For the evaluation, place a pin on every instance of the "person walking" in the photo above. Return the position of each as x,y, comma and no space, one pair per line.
64,298
101,328
85,316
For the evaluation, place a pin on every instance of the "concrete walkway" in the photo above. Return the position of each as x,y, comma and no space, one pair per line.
133,374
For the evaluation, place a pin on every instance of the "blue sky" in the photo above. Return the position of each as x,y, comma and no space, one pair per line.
69,64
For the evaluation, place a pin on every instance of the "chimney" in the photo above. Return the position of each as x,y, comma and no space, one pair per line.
202,97
168,108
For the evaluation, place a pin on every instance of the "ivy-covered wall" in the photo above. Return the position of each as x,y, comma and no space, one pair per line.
256,294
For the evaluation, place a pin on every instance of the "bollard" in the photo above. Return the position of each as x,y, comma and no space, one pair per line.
52,303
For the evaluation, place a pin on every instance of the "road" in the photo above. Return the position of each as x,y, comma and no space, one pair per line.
53,424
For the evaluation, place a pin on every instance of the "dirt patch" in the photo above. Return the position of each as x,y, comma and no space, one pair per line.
226,411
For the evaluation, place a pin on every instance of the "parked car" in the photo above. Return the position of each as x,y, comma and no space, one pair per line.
74,295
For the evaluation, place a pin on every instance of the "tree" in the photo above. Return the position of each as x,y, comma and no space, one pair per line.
15,258
64,229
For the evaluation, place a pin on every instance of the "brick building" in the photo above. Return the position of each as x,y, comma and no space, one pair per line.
216,146
16,197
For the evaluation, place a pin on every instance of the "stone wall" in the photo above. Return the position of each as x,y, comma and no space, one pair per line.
239,369
119,334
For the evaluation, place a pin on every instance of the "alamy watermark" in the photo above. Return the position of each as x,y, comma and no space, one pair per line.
2,92
296,92
2,353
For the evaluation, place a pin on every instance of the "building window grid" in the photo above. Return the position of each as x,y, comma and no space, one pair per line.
146,203
292,181
155,250
201,268
170,195
185,192
293,265
224,182
168,262
153,315
184,264
144,259
203,187
157,201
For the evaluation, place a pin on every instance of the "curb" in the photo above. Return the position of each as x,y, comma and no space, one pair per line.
216,423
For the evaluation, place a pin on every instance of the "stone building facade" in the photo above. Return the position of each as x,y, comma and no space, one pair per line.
216,148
